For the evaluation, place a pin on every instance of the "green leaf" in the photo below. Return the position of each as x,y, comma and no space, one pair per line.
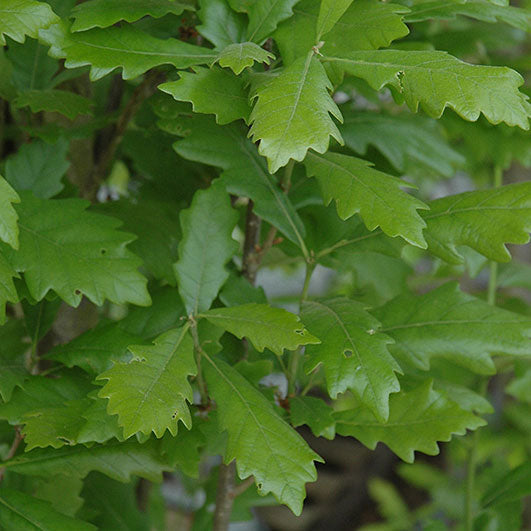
75,253
206,247
245,173
123,47
150,392
418,419
220,24
19,18
39,168
64,102
12,360
377,197
117,460
183,451
315,413
96,350
365,25
114,504
105,13
261,442
21,512
447,322
478,9
8,215
265,326
485,220
410,143
352,354
212,91
156,226
520,387
437,80
292,113
514,486
331,11
239,56
264,16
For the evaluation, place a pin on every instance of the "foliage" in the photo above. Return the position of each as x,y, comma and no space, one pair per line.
168,168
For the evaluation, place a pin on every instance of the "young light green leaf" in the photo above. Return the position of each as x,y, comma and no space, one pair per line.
365,25
485,220
418,419
520,387
67,103
437,80
356,187
292,113
315,413
410,143
239,56
265,326
105,13
124,47
150,392
264,16
94,260
477,9
245,173
39,168
8,215
263,445
514,486
22,511
118,460
212,91
19,18
206,247
447,322
331,11
352,354
220,24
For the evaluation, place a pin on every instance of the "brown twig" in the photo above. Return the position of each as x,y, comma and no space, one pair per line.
101,168
13,450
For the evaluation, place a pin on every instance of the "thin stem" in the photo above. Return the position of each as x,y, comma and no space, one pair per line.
251,255
293,364
471,465
309,385
285,183
224,496
12,450
198,351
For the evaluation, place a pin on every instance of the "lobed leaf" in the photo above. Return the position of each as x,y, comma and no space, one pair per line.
19,18
124,47
220,24
105,13
437,80
9,230
39,168
22,511
315,413
263,445
239,56
447,322
67,103
245,173
118,460
264,16
75,253
418,419
265,326
353,356
206,247
484,220
356,187
212,91
329,13
365,25
292,113
477,9
150,392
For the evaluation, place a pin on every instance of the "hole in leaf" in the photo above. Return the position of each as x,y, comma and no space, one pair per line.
103,251
77,292
300,332
348,353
